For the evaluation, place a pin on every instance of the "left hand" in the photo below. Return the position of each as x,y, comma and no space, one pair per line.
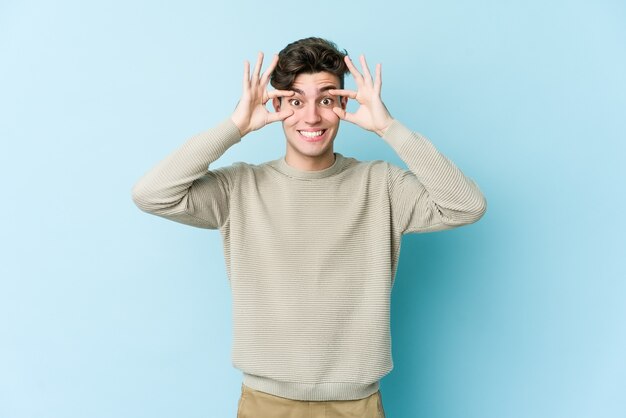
372,114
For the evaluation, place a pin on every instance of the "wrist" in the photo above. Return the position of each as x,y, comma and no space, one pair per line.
240,125
383,129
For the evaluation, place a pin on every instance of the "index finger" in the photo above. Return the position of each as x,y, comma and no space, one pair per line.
343,92
280,93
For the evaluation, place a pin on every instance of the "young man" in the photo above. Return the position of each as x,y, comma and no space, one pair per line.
311,240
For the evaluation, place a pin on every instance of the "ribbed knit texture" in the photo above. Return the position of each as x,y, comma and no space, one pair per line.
311,255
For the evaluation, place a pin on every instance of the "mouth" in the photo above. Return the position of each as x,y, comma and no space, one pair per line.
312,136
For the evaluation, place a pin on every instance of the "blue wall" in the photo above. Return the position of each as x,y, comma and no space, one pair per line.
108,312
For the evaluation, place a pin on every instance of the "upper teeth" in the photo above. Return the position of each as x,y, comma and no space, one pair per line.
311,134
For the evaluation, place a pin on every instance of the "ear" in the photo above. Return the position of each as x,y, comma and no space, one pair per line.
344,102
276,103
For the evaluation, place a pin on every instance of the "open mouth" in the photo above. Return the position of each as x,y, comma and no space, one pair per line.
312,135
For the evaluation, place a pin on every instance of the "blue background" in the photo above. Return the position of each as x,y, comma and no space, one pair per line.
108,312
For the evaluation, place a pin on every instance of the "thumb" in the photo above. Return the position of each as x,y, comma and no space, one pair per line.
282,115
343,115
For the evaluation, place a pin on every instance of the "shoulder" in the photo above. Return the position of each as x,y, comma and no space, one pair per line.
371,166
245,171
231,174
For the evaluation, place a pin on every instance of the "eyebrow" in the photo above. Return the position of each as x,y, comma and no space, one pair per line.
321,90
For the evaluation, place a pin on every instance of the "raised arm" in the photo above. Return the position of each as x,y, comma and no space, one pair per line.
433,194
181,187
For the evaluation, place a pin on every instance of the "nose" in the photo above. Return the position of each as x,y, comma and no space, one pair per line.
312,115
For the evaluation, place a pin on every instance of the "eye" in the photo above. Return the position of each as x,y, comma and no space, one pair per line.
327,101
295,102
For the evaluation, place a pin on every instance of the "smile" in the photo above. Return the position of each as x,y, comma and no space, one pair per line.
312,135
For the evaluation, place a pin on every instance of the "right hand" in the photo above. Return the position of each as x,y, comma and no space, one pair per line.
251,113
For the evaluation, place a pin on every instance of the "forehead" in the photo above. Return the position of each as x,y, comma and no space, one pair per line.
311,83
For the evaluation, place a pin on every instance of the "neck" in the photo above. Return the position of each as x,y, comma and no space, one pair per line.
311,163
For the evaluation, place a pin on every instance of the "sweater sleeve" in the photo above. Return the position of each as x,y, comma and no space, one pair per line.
183,189
433,194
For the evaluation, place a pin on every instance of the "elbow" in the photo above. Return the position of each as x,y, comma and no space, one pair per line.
156,202
465,214
479,209
141,198
475,210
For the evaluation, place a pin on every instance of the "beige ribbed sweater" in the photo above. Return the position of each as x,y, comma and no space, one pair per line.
311,255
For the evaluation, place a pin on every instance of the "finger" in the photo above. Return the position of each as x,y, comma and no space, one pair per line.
276,116
268,95
342,114
269,70
365,68
379,78
246,75
341,92
339,112
279,93
257,67
355,73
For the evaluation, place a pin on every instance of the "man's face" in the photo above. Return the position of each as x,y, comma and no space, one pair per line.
312,128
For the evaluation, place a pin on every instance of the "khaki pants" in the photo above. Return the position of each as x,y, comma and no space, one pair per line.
257,404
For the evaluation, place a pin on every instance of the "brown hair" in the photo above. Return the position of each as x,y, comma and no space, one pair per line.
308,55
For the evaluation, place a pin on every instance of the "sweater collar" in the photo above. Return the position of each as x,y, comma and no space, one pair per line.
282,166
